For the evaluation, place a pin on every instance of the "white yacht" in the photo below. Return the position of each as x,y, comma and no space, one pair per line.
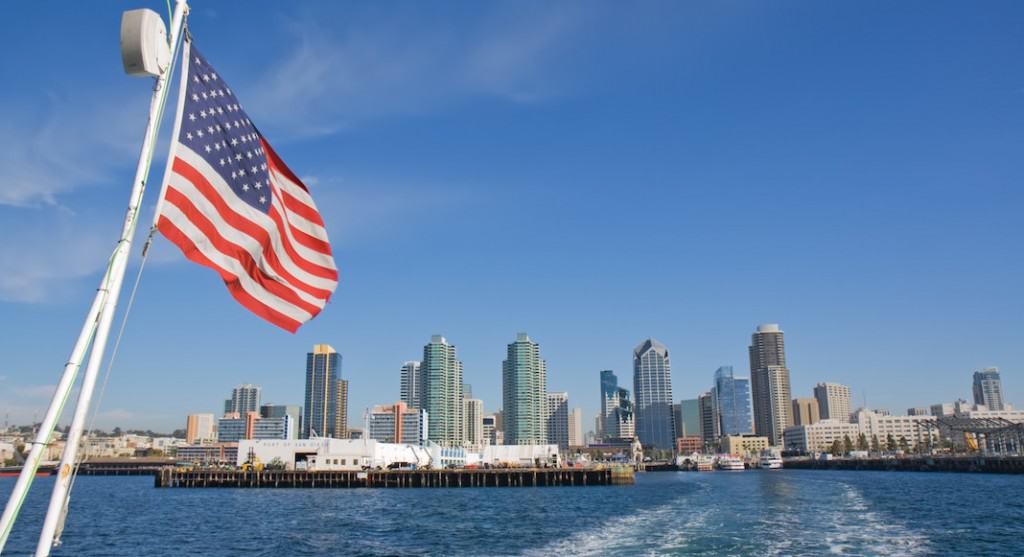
769,462
729,462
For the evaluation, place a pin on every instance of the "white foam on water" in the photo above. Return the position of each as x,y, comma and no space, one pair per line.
858,529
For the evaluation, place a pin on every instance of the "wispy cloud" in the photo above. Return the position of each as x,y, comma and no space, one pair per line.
62,145
373,66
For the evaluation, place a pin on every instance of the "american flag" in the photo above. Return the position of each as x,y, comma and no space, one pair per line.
231,204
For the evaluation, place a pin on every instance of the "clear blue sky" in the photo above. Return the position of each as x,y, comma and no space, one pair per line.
590,173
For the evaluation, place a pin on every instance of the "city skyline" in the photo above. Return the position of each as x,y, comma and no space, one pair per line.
885,164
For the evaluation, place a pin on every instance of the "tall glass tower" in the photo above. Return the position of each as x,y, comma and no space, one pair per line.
617,421
440,392
326,394
732,397
410,393
524,386
652,387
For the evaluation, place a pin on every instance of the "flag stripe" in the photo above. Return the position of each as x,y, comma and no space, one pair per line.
273,284
245,233
232,266
251,303
213,187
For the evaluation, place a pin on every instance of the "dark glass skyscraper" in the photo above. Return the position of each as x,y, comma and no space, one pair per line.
652,386
732,397
988,388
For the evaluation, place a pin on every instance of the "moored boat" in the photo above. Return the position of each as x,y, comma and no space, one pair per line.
731,463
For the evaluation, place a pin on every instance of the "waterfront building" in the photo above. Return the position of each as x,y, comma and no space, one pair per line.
943,409
689,445
234,427
709,421
616,419
652,387
732,402
916,430
805,411
918,412
336,454
744,446
769,381
689,412
524,393
409,384
557,418
833,401
398,423
473,413
199,429
440,388
244,398
217,453
282,410
1008,414
820,436
325,413
576,428
988,389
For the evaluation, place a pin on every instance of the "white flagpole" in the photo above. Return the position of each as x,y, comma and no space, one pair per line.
119,262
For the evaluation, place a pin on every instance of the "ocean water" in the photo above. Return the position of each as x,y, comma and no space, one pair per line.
777,512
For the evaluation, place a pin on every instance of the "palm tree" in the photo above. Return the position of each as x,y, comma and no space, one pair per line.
890,443
862,442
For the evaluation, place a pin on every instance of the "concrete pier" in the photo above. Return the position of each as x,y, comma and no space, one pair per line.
500,477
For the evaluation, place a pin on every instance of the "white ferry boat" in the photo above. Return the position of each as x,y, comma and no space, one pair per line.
730,463
769,462
705,464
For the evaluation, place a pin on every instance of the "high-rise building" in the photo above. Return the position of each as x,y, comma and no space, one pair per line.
709,422
557,419
473,413
576,427
524,392
273,411
805,411
652,386
408,384
199,428
398,423
918,411
732,401
988,389
244,398
769,382
325,413
440,388
689,410
490,430
833,401
616,420
282,427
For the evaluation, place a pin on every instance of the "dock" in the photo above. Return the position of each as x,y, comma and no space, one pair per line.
995,464
454,478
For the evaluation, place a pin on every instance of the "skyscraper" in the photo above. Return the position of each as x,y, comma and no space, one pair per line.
473,414
709,422
988,388
409,386
524,391
244,399
652,386
689,409
769,381
833,401
576,427
440,388
806,411
616,419
557,419
732,400
325,411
